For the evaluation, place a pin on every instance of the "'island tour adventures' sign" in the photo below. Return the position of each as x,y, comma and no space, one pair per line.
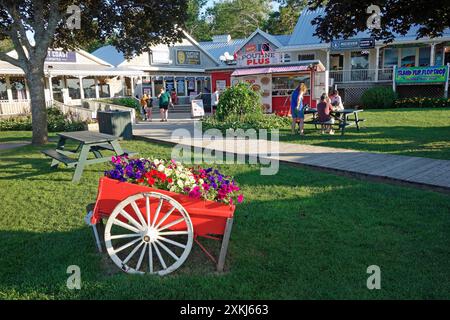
421,74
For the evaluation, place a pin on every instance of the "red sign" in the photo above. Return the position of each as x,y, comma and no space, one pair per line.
250,48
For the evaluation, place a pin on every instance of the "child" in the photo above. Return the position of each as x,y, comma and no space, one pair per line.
324,110
148,108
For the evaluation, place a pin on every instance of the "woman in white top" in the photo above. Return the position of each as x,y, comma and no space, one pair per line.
336,101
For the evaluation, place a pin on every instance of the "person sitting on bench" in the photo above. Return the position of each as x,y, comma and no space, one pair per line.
324,110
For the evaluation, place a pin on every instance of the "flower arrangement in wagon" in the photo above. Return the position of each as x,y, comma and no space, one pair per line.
196,182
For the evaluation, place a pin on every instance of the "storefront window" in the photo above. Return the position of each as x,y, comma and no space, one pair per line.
3,91
424,56
336,61
390,57
57,86
284,86
360,60
103,88
408,57
159,84
190,85
170,84
439,56
180,86
73,85
89,88
18,88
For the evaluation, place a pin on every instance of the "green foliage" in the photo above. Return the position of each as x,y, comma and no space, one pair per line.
238,101
284,20
421,102
125,102
56,121
268,122
378,98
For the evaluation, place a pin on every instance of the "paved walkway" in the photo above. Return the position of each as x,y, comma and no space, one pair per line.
12,145
423,171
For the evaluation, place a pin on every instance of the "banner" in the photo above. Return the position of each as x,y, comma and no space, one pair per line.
421,74
60,56
362,43
185,57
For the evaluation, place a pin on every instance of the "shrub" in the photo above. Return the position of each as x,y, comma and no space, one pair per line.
378,98
268,122
420,102
56,121
237,102
125,102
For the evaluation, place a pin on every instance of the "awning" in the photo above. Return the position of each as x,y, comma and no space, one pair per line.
267,70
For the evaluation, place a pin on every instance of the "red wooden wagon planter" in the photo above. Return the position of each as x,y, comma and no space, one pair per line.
152,231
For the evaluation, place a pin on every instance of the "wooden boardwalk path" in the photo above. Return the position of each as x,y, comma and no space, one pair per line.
415,170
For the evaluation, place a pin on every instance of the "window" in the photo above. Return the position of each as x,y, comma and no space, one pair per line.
89,88
103,88
180,86
57,86
336,61
18,88
73,86
285,57
408,57
360,60
3,91
306,57
439,56
160,55
263,47
424,56
284,86
390,57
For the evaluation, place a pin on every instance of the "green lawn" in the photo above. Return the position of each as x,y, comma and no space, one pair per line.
301,234
413,132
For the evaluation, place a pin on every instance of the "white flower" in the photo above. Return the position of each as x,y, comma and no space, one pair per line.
161,168
180,183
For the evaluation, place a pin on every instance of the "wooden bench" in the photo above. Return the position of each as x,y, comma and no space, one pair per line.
59,157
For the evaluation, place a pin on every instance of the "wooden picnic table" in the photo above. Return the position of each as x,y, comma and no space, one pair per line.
341,116
88,141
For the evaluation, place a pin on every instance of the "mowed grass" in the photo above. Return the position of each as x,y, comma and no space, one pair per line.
300,234
412,132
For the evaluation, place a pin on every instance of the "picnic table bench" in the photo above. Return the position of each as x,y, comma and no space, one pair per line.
88,142
342,118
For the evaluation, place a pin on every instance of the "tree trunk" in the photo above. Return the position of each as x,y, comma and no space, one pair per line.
35,80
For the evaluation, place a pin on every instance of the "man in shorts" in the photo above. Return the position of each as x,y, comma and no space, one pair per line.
164,101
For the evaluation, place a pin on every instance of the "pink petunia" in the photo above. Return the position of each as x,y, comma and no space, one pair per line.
240,198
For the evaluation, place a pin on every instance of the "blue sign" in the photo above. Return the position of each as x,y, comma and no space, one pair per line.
362,43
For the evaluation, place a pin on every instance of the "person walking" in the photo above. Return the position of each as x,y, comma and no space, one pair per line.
149,108
297,112
143,103
164,101
215,100
174,98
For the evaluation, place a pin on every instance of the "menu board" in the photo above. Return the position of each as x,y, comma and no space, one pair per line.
197,109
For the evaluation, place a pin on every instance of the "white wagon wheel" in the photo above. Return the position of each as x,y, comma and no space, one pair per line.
153,248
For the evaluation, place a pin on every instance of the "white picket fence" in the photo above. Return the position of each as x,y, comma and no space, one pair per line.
87,112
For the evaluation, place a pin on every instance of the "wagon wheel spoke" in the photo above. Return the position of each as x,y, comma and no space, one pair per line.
131,219
133,252
141,257
157,211
150,258
170,252
171,224
126,245
173,233
161,260
126,226
124,236
165,217
147,208
138,213
172,242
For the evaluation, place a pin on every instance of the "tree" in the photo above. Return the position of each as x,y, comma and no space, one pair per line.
345,18
196,24
38,25
239,18
284,20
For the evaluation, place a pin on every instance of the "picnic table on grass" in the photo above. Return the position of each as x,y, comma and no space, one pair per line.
342,118
88,142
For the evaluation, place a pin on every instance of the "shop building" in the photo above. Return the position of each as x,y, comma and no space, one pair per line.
180,67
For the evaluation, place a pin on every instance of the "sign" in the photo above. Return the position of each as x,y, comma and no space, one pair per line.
250,48
180,87
363,43
60,56
170,85
185,57
421,74
221,85
258,59
197,109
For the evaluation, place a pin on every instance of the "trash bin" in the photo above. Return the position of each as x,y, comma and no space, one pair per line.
117,123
